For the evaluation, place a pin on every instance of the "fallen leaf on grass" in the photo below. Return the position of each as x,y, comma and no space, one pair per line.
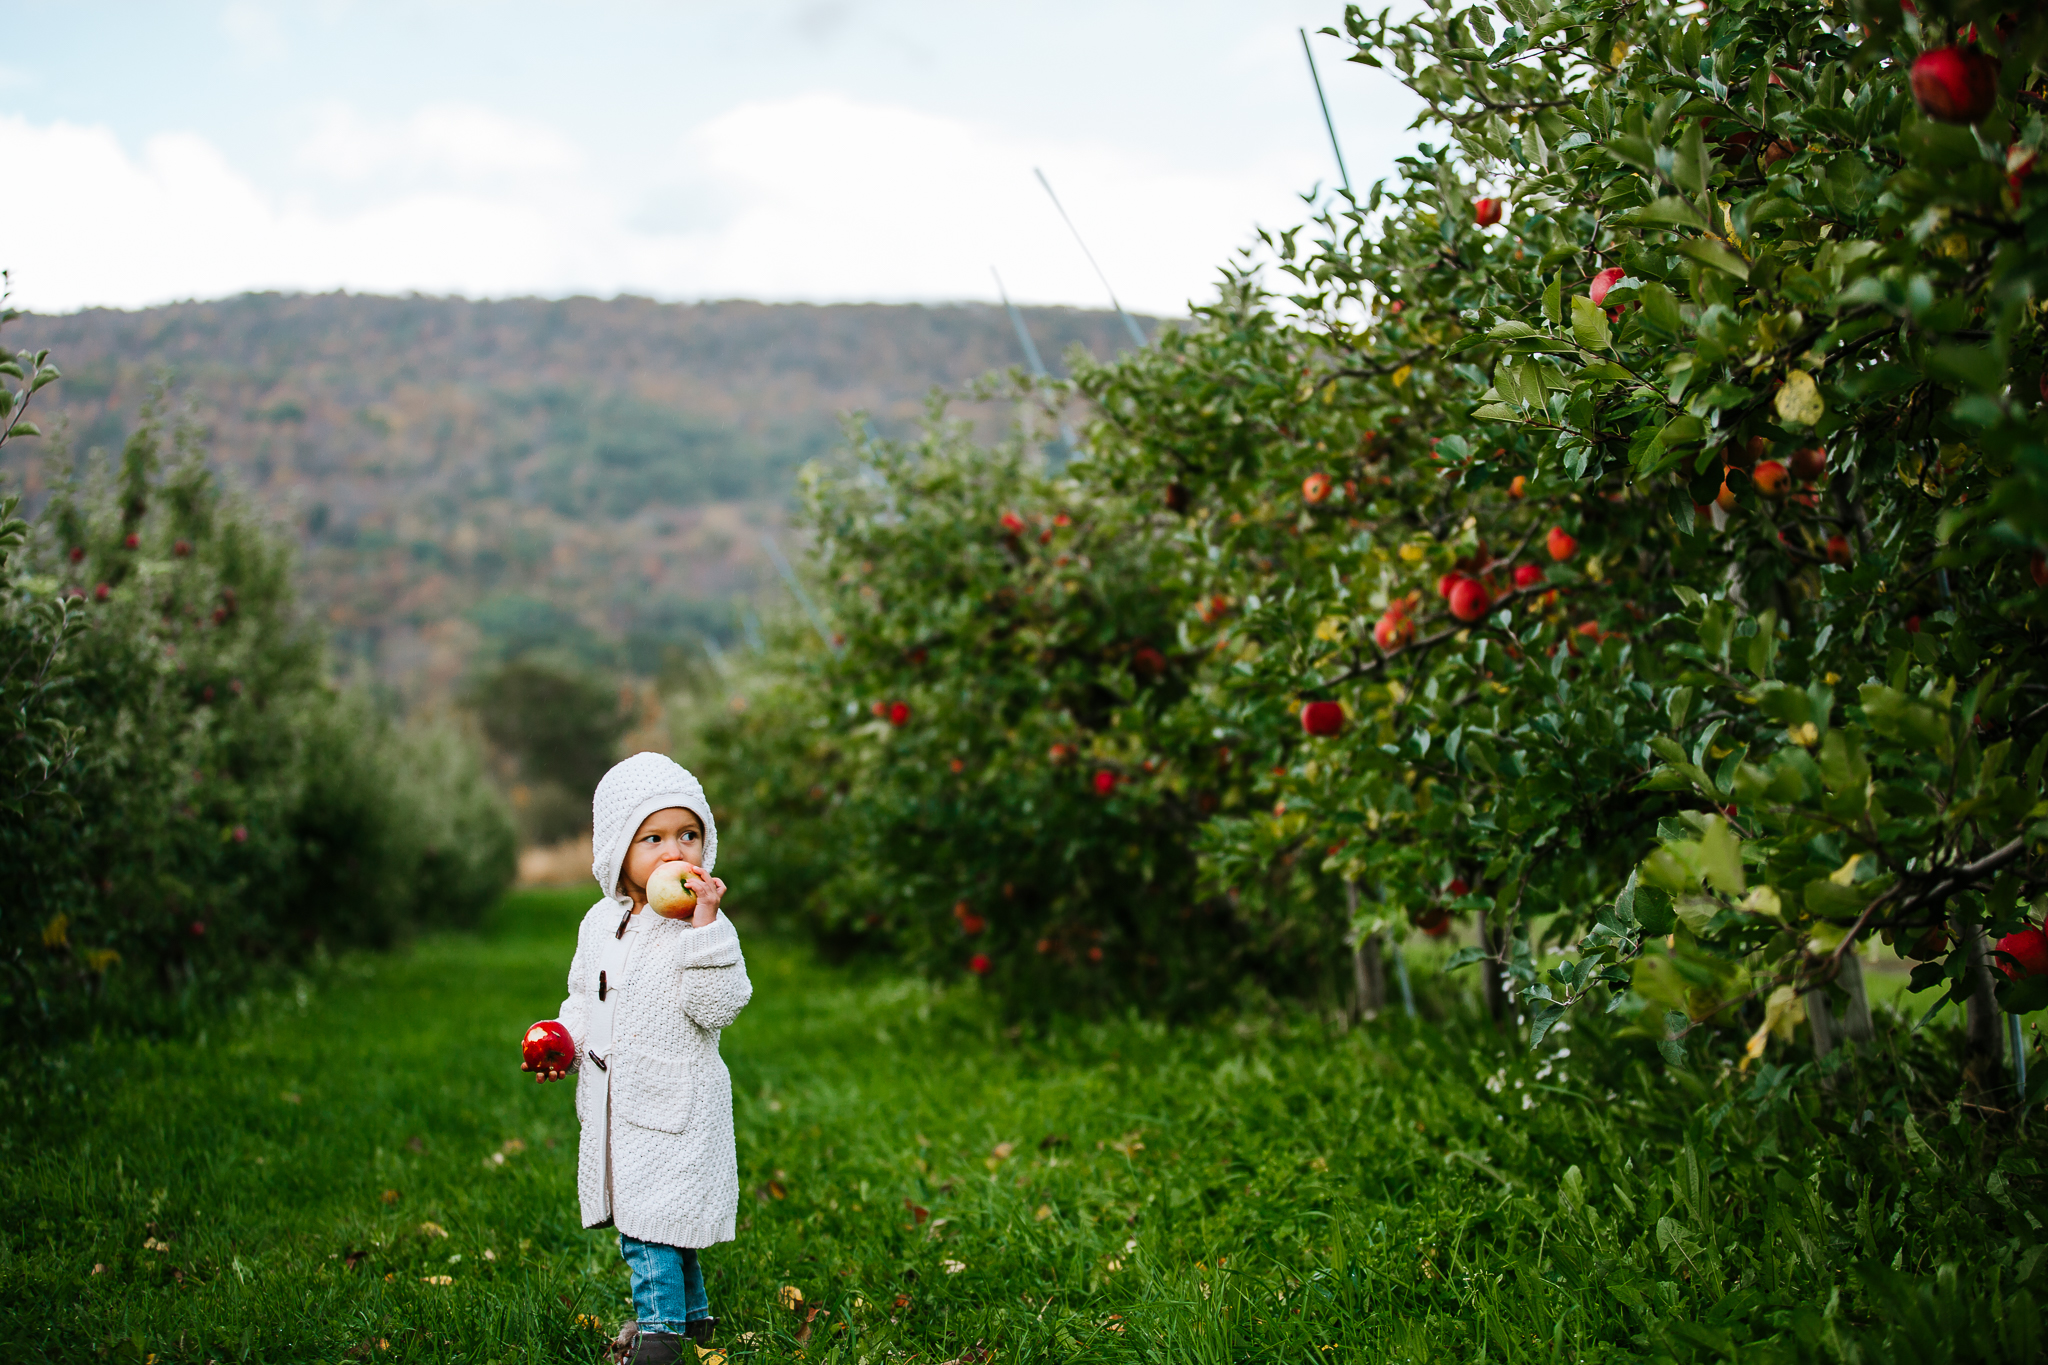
1113,1323
389,1196
433,1230
1044,1212
513,1147
791,1296
707,1356
289,1098
152,1244
99,1268
902,1301
437,1279
353,1259
490,1255
918,1213
803,1333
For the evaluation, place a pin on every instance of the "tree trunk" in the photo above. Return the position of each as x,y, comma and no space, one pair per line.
1369,979
1372,979
1854,1025
1981,1023
1492,986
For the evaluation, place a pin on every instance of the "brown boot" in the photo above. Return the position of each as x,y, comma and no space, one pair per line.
656,1348
699,1330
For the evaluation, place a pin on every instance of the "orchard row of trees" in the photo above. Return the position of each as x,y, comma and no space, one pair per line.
183,794
1623,531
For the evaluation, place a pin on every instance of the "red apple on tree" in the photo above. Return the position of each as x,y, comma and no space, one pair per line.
1469,599
1603,284
1486,212
1315,488
1809,464
899,714
1322,718
1393,630
1528,575
2029,949
1560,544
1955,84
1105,782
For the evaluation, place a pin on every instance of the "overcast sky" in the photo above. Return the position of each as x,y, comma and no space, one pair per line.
819,150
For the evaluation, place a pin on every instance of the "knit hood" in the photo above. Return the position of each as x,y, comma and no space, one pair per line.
629,793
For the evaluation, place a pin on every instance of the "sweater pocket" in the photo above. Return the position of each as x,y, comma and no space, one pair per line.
653,1091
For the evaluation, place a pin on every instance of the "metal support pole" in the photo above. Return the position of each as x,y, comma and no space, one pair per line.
797,590
1137,336
1316,76
1069,447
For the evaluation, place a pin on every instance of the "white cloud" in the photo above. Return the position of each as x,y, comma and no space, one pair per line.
813,197
461,141
254,32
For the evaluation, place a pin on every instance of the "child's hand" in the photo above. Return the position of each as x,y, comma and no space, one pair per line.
709,890
542,1074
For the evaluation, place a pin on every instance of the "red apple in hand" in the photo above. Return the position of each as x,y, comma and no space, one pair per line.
548,1047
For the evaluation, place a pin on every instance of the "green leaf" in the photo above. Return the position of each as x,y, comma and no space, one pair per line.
1589,324
1670,211
1553,309
1681,430
1721,857
1658,313
1715,255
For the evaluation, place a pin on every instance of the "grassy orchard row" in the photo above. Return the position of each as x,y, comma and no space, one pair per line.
920,1181
186,795
1712,298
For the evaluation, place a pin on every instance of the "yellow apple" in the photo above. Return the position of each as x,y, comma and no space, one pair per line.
667,894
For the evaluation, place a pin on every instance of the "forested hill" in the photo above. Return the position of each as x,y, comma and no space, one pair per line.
471,476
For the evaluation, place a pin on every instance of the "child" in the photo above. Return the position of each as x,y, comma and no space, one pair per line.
647,997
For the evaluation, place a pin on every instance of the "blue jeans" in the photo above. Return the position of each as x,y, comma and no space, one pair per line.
668,1285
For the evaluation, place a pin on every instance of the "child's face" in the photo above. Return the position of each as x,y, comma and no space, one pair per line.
663,837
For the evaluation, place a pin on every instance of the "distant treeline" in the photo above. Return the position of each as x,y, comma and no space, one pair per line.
462,476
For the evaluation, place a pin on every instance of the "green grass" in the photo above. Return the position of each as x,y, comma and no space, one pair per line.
1263,1188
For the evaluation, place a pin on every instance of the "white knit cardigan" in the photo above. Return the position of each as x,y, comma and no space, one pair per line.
660,1110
